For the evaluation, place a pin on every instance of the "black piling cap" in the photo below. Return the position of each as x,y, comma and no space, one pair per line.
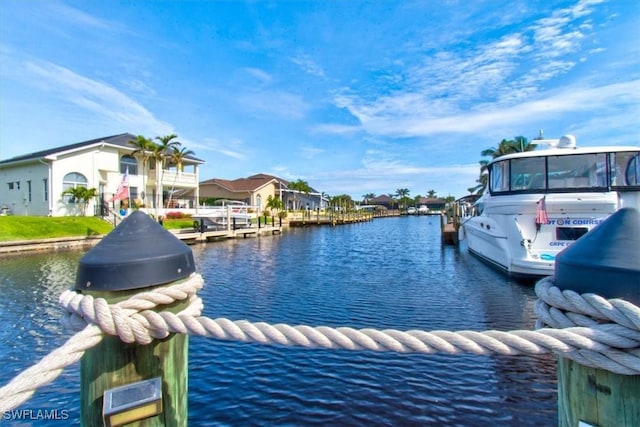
606,260
137,254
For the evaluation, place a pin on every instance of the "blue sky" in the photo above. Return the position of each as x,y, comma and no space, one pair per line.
353,97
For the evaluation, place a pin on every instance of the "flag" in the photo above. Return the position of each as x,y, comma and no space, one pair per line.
122,192
541,213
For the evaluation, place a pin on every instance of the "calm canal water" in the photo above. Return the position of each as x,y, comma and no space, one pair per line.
388,273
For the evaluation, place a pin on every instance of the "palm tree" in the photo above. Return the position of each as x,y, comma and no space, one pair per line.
82,196
393,200
504,147
161,153
367,197
144,147
403,195
164,149
402,192
516,145
343,201
521,144
299,186
274,203
177,157
431,194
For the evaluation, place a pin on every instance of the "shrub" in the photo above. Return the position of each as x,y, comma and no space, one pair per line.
177,215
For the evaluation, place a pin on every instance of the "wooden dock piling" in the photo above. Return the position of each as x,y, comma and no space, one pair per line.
448,230
603,262
137,255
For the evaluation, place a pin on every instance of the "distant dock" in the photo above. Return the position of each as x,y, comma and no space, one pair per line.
333,219
449,227
449,232
190,236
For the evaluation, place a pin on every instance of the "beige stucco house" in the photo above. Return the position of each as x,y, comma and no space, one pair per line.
256,189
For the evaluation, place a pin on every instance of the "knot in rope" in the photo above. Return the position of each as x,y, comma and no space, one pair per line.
134,319
566,308
615,323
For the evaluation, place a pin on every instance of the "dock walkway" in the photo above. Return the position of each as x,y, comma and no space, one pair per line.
194,236
303,220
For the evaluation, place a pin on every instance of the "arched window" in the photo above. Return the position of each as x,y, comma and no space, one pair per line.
129,163
72,180
259,201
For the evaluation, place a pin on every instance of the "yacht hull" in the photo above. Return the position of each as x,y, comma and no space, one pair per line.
506,235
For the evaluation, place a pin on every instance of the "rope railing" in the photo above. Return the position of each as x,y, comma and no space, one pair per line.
586,328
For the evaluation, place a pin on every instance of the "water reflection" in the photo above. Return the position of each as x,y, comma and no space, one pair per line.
390,273
31,285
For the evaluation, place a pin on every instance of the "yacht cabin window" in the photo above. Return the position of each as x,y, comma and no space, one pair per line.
577,171
565,173
499,177
625,169
528,174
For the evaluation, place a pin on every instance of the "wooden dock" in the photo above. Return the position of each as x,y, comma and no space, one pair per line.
449,235
454,215
191,236
449,229
332,219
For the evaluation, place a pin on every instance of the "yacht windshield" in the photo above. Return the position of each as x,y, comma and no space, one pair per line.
578,171
566,173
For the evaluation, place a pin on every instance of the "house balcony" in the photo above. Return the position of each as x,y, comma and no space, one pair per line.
175,179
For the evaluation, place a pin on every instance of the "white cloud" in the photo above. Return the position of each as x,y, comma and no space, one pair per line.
308,65
337,129
274,103
407,121
260,75
95,97
464,90
75,16
232,148
138,86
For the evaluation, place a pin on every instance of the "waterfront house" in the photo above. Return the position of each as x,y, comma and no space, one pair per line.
384,200
434,204
256,189
33,184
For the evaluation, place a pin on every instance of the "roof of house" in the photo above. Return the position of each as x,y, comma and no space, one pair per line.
251,183
383,198
121,140
430,200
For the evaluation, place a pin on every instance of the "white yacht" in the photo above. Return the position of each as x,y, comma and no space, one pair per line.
539,202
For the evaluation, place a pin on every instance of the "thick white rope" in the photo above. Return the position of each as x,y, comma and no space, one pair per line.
595,332
112,320
22,387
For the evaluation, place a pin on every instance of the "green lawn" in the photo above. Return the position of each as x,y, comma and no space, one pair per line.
40,227
177,224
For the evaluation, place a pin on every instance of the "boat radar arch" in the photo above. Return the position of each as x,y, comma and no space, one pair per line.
566,141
